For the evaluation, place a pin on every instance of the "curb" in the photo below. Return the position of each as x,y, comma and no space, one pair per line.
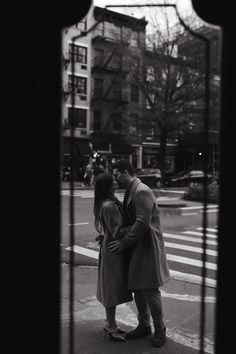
176,205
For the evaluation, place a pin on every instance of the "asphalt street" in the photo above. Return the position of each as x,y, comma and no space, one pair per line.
182,228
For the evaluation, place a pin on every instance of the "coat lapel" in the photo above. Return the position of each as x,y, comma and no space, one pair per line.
132,190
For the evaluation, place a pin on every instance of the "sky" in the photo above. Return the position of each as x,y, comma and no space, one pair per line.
184,8
183,5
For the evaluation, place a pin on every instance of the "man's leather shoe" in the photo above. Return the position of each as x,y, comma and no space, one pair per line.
138,332
159,338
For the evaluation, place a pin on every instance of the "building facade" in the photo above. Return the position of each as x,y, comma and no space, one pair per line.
111,114
76,94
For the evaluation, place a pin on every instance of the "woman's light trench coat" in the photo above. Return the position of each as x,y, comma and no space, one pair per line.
112,284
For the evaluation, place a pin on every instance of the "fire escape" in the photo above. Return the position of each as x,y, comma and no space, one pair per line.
115,95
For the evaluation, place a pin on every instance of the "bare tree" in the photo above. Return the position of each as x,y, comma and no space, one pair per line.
171,84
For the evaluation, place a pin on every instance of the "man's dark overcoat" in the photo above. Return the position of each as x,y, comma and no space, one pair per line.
148,265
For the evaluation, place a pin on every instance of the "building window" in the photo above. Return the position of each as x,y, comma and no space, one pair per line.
116,91
117,122
149,131
78,53
80,117
98,88
78,84
97,117
133,126
134,93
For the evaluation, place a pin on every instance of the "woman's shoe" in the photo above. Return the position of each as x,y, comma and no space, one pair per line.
114,333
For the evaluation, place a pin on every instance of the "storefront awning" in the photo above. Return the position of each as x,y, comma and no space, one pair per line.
83,148
80,147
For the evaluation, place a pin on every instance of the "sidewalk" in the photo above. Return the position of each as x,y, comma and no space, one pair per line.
181,302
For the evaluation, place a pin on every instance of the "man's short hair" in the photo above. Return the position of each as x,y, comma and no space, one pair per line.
123,165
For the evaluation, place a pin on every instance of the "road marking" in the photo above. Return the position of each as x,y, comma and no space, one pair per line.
79,224
198,207
190,261
195,233
210,211
190,248
198,263
84,251
192,278
207,229
188,297
189,214
166,198
187,277
190,239
170,191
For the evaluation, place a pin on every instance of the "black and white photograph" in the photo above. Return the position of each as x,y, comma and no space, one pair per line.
120,179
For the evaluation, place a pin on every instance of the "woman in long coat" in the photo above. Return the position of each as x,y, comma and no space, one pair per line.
112,287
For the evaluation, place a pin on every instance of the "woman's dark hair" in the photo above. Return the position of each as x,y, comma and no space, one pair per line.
123,165
103,190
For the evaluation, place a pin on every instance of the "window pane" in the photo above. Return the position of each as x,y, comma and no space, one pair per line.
80,117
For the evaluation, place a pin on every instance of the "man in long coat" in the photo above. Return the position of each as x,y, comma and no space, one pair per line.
148,268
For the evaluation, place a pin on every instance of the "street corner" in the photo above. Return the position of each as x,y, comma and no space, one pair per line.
182,308
89,318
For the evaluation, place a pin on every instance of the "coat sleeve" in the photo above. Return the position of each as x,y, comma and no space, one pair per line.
113,219
143,204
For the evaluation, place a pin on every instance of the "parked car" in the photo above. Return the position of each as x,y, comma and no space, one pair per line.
150,176
185,178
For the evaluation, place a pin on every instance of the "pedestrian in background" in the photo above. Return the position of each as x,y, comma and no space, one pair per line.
148,268
88,175
112,287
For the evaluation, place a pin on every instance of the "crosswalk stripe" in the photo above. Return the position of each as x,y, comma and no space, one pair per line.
190,239
210,211
84,251
190,261
199,207
195,233
94,254
207,229
192,278
190,248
